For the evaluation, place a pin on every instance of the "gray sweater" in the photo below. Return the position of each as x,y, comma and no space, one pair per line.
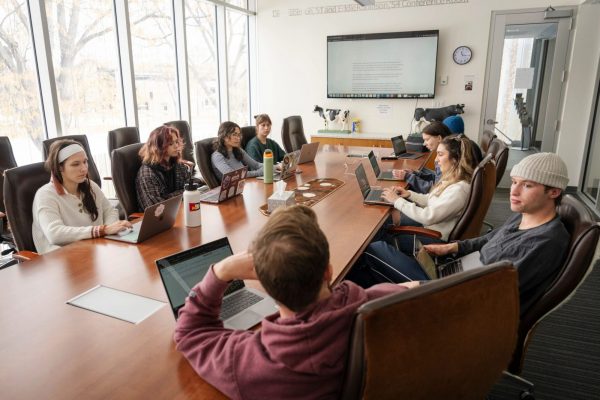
537,253
222,165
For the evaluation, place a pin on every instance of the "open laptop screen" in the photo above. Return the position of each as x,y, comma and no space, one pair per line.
182,271
398,145
374,163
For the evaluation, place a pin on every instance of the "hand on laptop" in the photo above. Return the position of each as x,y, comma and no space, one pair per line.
441,249
410,285
237,266
116,227
392,193
401,173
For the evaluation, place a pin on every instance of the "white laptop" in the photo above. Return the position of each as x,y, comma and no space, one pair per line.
157,218
242,307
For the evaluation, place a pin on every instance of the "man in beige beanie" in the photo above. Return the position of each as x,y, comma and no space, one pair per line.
534,239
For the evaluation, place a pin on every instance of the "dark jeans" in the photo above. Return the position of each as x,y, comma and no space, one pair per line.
383,262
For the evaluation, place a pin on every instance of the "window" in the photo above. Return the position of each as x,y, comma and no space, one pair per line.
84,54
237,68
154,60
20,114
591,180
201,31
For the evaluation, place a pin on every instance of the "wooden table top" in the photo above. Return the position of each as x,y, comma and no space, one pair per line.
51,350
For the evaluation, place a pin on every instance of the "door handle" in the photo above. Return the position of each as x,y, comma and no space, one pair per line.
491,122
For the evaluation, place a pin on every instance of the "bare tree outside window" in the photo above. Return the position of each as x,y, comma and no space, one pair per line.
20,114
238,74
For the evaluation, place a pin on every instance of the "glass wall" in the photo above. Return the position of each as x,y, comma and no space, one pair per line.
237,62
154,63
87,72
201,31
85,58
20,113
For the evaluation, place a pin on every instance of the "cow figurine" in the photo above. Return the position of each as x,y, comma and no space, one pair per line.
342,119
438,114
322,115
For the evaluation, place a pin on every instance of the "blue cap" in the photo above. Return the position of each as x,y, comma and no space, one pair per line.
455,123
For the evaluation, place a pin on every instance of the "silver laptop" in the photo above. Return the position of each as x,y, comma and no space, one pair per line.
288,166
308,152
232,184
381,175
371,195
241,308
399,147
434,271
157,218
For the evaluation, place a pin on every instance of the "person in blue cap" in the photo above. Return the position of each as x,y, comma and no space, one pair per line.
457,126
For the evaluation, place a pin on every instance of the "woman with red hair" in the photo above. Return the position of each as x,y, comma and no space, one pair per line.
163,172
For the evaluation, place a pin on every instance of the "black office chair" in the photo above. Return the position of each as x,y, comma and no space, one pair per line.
448,339
204,149
292,133
7,161
20,186
92,170
248,132
184,131
120,137
125,164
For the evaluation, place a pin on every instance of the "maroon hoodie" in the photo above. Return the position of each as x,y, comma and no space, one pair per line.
303,357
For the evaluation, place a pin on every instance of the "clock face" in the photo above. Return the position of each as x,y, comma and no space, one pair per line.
462,55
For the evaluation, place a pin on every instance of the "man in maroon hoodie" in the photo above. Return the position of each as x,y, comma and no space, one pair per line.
300,352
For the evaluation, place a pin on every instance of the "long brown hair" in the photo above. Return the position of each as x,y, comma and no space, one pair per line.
53,166
155,148
262,118
226,129
459,151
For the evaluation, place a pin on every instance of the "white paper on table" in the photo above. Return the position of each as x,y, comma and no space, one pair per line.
117,304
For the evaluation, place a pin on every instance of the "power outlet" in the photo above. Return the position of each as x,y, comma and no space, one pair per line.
444,80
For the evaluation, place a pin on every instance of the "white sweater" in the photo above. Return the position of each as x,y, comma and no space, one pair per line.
440,212
57,220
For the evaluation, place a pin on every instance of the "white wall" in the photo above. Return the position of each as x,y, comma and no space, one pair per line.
292,63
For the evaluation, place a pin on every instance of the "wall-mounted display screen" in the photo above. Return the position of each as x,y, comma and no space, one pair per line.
382,65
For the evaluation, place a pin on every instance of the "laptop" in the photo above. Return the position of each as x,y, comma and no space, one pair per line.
157,218
288,166
308,152
232,184
381,175
399,147
242,307
371,195
434,271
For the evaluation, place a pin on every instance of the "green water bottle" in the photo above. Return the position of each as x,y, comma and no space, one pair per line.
268,166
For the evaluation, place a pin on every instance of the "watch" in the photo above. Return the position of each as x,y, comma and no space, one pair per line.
462,55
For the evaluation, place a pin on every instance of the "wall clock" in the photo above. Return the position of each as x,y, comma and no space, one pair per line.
462,55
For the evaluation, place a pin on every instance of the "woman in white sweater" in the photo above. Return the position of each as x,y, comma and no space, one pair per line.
438,210
70,207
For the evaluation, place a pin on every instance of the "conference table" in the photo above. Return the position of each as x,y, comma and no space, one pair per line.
51,350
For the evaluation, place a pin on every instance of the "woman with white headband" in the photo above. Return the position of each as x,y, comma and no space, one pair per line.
70,207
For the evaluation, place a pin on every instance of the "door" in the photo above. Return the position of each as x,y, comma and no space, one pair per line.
524,77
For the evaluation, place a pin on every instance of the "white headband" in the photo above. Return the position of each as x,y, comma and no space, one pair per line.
68,151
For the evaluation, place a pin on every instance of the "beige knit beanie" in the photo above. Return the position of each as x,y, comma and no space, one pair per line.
545,168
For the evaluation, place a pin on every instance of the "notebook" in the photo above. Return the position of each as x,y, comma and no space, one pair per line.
371,195
381,175
308,152
157,218
232,184
435,271
399,147
241,308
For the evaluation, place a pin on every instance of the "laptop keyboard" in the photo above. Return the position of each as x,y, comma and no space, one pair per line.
375,195
451,268
234,304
